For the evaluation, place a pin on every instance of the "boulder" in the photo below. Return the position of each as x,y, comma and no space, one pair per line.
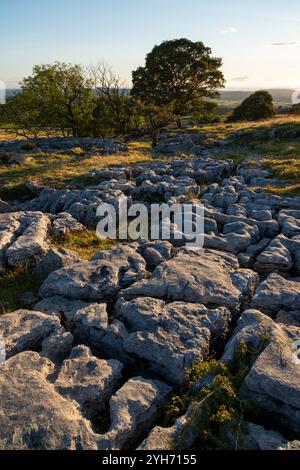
171,337
90,325
57,347
289,221
181,436
157,252
88,380
213,278
258,438
56,259
32,243
26,330
273,383
33,416
64,223
133,410
277,293
276,257
98,280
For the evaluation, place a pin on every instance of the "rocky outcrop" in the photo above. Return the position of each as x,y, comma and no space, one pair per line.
213,278
97,280
109,339
171,337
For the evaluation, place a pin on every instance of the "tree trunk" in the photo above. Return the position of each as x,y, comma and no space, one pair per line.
179,124
155,137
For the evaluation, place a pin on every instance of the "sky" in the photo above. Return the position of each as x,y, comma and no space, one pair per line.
259,40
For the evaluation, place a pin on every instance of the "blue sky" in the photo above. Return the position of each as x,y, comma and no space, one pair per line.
259,40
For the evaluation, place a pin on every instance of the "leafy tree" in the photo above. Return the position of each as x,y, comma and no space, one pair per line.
257,106
206,113
155,119
179,74
56,97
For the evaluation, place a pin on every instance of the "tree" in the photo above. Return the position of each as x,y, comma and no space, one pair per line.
179,74
257,106
115,111
21,113
55,97
155,119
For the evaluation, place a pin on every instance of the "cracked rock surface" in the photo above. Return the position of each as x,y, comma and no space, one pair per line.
94,362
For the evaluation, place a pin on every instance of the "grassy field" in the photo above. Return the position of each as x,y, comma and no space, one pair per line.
247,138
280,154
57,170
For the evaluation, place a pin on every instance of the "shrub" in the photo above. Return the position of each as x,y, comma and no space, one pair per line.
257,106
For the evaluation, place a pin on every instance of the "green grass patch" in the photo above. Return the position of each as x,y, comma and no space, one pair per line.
85,243
13,284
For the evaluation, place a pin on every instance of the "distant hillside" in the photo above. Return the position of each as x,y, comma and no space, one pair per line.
229,98
232,98
11,92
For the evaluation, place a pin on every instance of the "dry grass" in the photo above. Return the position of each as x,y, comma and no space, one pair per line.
226,130
56,170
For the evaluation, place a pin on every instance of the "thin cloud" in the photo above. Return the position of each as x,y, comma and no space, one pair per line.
240,79
285,44
229,30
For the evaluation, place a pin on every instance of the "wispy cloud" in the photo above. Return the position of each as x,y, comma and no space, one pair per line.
229,30
285,44
240,79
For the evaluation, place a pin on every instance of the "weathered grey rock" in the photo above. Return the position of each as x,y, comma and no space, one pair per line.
289,318
237,210
64,223
133,410
272,384
88,380
56,259
97,280
261,215
277,293
171,337
253,326
33,243
4,207
157,252
210,280
258,438
232,243
92,326
247,258
276,257
58,346
33,416
180,436
26,330
289,221
9,224
65,309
